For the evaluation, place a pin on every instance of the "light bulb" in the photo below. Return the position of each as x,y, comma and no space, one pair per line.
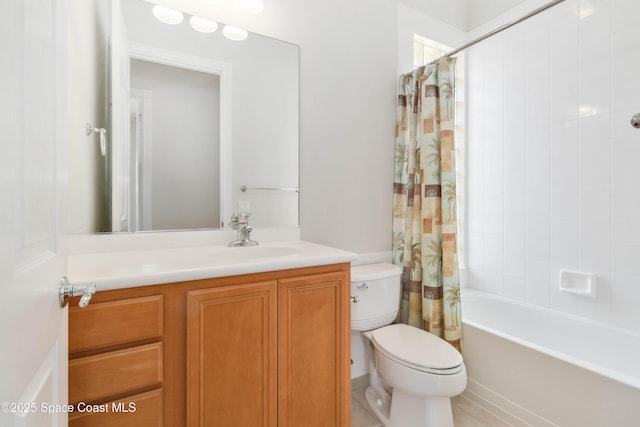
234,33
203,25
252,7
166,15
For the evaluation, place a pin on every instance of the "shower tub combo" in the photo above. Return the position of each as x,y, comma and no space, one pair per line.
535,366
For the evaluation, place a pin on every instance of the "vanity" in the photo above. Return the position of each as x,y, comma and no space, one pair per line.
235,337
196,334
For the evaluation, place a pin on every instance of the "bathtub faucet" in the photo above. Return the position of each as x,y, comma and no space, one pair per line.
240,222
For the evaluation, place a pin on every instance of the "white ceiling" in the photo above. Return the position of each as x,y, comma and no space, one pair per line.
482,11
463,14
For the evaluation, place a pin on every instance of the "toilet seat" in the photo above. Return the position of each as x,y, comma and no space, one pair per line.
417,349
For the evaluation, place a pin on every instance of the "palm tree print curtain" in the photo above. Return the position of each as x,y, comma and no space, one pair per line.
424,212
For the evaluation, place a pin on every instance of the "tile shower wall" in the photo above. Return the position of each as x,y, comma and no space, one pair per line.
553,163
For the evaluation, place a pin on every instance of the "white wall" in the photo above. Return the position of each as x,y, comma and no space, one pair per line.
88,29
552,159
412,21
186,140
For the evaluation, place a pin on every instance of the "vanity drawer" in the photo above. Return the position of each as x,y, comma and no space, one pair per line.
101,376
143,409
106,324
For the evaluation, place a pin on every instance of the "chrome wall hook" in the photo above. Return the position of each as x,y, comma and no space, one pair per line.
635,120
103,137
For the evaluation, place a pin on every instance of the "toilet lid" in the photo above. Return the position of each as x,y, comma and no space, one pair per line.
416,347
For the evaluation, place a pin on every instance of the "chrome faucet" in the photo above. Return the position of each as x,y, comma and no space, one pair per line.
240,222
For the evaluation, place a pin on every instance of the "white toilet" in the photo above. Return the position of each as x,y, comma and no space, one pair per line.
413,373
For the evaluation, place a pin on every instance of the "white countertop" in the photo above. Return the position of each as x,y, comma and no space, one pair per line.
125,269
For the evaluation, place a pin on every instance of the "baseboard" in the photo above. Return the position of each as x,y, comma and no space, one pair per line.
502,407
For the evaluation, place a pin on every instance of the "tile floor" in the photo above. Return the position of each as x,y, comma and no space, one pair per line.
465,412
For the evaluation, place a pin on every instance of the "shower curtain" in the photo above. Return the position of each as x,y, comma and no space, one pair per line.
424,212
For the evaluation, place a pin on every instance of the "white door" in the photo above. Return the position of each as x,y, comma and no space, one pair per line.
33,328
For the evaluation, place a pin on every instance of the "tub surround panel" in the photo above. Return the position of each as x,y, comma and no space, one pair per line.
552,159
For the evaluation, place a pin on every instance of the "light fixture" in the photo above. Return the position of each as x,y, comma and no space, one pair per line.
252,7
203,25
166,15
234,33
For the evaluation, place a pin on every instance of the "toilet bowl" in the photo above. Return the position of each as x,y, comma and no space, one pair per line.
413,374
422,371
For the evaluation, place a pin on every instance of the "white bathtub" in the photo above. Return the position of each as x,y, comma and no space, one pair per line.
535,366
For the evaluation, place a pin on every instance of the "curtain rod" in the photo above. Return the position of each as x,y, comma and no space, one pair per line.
498,30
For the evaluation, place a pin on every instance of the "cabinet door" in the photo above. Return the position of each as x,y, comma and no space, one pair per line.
231,356
313,351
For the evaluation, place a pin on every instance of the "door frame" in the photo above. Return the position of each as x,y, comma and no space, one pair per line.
224,71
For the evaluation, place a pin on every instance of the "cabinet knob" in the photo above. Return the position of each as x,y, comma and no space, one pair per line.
66,289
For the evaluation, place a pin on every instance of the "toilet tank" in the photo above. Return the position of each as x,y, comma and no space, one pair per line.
377,288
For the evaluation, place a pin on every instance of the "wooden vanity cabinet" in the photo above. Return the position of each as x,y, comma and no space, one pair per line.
268,349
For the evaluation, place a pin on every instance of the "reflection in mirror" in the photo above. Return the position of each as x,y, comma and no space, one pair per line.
194,118
175,126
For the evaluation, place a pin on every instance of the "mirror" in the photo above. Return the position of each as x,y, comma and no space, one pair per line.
200,126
